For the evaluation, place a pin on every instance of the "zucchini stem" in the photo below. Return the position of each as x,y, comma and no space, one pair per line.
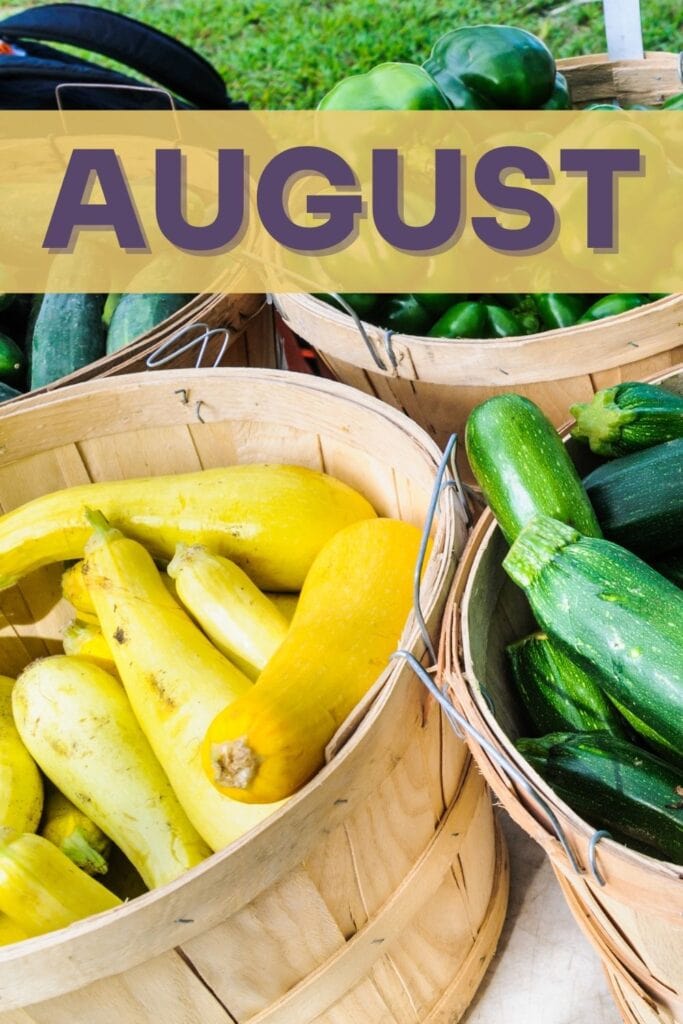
536,545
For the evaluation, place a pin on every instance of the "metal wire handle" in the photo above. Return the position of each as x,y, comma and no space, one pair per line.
360,327
167,353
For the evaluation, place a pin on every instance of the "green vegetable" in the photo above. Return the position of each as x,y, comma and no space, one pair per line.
523,468
628,417
560,98
558,310
614,785
502,323
638,499
558,694
464,320
673,102
386,87
405,314
611,305
110,306
493,66
135,315
437,303
365,305
603,106
12,359
613,612
7,392
67,334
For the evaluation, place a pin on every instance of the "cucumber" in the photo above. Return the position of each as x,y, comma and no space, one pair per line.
67,334
614,785
638,499
558,694
137,314
7,392
628,417
616,615
523,468
12,359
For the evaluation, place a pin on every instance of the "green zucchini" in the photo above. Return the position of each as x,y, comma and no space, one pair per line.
135,315
559,695
616,615
614,785
12,359
67,334
110,307
7,392
628,417
523,468
638,499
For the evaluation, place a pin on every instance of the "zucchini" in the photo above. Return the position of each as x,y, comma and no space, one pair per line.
110,307
67,334
619,617
12,359
559,695
523,468
135,315
628,417
638,499
614,785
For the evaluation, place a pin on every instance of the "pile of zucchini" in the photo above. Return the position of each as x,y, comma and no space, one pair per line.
45,337
601,681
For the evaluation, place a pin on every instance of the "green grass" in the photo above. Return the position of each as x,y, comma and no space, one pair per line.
288,53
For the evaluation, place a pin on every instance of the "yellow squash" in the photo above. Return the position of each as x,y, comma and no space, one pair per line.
349,619
77,722
86,640
272,520
41,889
21,787
10,931
76,593
75,834
285,603
175,678
243,624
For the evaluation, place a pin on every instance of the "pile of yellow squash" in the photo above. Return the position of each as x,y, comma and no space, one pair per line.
198,688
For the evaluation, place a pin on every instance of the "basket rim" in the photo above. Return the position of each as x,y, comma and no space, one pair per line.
437,575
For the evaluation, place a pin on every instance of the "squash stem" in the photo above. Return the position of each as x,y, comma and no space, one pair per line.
537,544
79,850
234,763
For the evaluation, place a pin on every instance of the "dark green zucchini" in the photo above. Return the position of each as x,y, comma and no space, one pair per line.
559,695
135,315
7,392
67,334
523,468
628,417
618,616
638,499
614,785
12,359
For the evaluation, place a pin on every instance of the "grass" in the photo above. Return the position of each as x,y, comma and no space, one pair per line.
288,53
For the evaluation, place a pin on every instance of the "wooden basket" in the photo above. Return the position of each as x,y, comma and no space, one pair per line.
377,894
248,320
437,382
638,913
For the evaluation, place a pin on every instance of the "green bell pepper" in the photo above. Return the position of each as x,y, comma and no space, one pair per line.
492,66
673,102
559,310
386,87
611,305
560,97
464,320
437,303
364,305
502,323
405,314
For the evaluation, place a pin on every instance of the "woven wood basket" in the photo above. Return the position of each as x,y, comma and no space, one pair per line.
377,894
249,341
438,382
637,915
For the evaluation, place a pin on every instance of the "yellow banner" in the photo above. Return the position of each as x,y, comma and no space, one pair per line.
510,201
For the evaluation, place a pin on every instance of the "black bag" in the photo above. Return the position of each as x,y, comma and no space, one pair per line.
32,74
